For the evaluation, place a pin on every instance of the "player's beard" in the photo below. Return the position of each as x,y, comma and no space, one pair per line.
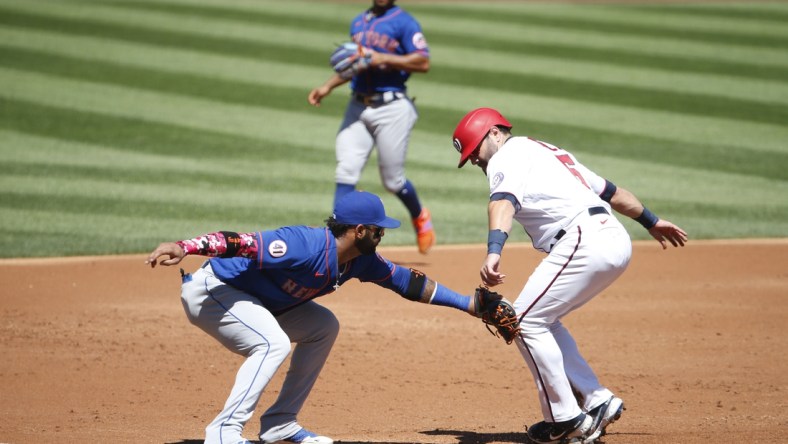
483,165
366,245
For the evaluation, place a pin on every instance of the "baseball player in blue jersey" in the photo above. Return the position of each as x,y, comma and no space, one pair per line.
255,296
379,113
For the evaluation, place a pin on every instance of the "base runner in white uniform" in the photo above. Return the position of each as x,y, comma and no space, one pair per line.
566,210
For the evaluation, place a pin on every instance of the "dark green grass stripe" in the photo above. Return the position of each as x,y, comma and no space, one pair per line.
220,90
163,38
717,158
317,56
90,204
166,177
747,212
623,56
33,243
632,96
138,135
716,10
251,94
300,21
523,18
611,27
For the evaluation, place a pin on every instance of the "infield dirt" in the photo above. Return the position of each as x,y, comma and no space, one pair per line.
694,340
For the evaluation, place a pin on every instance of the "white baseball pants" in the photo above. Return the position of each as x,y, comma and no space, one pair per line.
589,257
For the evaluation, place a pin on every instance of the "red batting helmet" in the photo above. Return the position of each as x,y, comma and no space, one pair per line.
473,128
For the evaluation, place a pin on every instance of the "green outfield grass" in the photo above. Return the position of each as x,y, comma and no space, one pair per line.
124,123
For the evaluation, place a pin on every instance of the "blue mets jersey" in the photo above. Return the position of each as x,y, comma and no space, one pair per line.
296,264
395,32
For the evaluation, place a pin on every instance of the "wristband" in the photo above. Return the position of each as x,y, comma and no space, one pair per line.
647,219
495,241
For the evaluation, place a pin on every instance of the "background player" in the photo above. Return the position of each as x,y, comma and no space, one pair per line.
255,297
379,112
566,210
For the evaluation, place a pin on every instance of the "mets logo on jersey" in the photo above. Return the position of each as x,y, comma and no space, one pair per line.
277,248
496,180
419,41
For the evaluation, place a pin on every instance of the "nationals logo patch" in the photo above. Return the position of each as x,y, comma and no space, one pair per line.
495,181
277,248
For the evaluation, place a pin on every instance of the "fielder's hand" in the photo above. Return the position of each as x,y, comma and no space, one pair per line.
494,310
170,249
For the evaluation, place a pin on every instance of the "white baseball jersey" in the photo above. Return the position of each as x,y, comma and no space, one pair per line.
551,186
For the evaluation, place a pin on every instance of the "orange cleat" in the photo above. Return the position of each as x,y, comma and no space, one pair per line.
425,235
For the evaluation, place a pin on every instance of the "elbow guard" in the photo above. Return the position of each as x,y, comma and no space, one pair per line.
415,286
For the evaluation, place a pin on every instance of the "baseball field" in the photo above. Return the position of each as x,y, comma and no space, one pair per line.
125,123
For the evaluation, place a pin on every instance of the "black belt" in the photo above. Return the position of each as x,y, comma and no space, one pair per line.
379,98
593,211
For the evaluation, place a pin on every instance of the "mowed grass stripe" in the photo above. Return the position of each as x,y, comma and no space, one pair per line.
137,135
721,157
266,72
174,60
318,128
769,12
599,25
82,159
187,37
250,94
475,28
146,35
232,119
145,136
267,178
629,14
600,73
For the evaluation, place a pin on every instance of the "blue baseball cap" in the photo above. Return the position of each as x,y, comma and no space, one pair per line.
362,208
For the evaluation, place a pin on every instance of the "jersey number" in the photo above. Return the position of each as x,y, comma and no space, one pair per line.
566,160
569,164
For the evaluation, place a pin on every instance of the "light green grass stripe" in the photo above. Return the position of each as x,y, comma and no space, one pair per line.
611,74
260,121
54,153
190,24
299,76
207,194
178,110
624,120
689,184
304,38
262,72
533,33
707,187
606,15
329,10
341,11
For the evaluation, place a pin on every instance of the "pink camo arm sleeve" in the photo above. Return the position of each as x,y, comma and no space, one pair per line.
222,243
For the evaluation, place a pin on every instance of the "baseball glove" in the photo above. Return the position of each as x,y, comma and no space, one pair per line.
497,312
349,59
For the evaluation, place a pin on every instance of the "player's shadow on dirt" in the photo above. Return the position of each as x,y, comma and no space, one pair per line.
465,437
